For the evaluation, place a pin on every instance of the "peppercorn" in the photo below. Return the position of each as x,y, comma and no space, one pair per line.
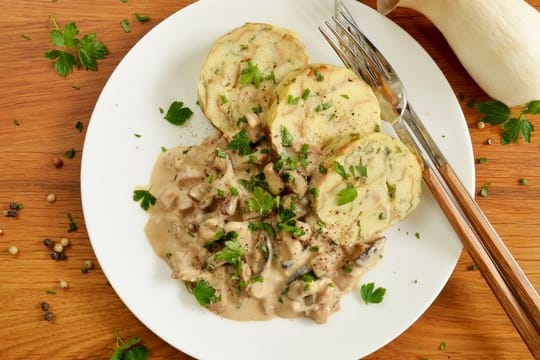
58,248
64,242
48,316
44,306
63,284
88,264
13,250
11,213
1,231
51,198
481,125
55,256
48,243
489,141
62,256
57,162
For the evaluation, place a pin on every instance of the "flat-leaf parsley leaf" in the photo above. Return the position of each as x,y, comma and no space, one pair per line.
178,114
145,197
241,143
370,295
205,293
347,194
251,75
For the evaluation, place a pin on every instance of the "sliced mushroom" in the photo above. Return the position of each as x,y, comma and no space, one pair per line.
275,183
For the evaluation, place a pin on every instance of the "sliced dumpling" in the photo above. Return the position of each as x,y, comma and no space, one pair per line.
317,104
241,71
365,185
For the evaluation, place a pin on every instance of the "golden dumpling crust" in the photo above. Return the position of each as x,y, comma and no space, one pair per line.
241,71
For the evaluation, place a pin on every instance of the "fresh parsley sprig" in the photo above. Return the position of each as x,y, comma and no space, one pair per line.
204,293
73,51
497,113
129,349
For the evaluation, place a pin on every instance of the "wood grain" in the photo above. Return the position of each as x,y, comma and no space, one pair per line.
466,316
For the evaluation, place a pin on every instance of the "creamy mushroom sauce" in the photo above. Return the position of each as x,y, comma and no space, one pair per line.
287,267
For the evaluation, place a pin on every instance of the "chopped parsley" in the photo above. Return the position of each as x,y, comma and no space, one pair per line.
442,345
291,100
70,154
346,269
233,191
372,295
306,93
251,75
347,195
205,293
323,106
145,197
241,143
125,25
484,190
223,99
482,160
142,18
338,167
79,126
221,154
345,96
71,226
178,114
318,76
257,278
257,110
286,137
391,190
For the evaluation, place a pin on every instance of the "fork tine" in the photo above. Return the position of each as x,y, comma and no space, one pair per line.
348,56
379,61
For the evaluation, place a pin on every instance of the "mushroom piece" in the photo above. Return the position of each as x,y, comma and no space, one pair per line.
275,183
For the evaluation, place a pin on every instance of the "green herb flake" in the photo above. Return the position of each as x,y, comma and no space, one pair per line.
221,154
323,106
318,76
251,75
484,190
205,293
286,137
79,126
442,346
125,25
291,100
51,292
322,169
314,249
347,195
223,99
142,18
70,154
163,149
178,114
345,96
233,191
145,197
523,181
391,190
257,110
25,37
482,160
71,226
306,93
372,295
417,235
241,143
473,267
346,269
257,278
137,135
338,167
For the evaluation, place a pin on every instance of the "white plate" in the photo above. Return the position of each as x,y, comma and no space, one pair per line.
163,67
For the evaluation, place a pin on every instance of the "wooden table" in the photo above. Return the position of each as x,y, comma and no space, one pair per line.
39,111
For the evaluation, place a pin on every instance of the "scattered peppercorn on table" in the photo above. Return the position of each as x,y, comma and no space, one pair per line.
56,301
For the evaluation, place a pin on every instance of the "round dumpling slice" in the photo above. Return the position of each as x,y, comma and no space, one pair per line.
366,184
317,104
241,71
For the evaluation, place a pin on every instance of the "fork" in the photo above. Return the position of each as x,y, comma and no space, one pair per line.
500,270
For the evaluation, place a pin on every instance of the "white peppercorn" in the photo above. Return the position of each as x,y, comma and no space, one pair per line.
58,248
64,242
13,250
51,198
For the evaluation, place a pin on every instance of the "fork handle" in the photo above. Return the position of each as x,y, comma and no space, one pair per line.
509,300
507,265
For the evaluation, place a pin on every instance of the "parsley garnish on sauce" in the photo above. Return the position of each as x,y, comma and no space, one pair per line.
82,52
372,295
340,170
347,195
262,201
205,293
241,143
145,197
286,137
178,114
